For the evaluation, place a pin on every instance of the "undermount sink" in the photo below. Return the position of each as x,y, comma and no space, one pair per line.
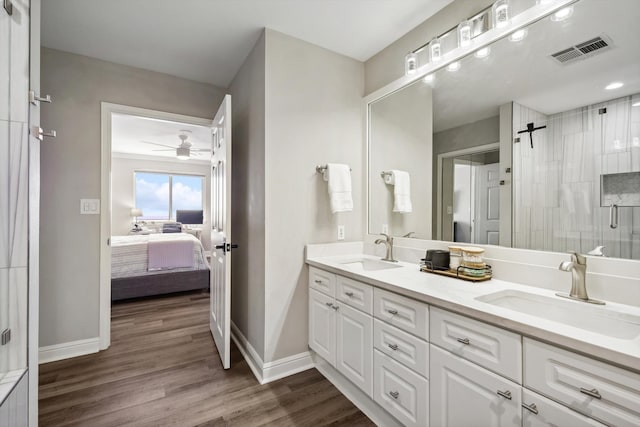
599,319
367,264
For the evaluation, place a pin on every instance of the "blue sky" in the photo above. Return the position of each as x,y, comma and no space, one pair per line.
152,194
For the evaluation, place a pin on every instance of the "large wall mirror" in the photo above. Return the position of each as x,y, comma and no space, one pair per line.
532,143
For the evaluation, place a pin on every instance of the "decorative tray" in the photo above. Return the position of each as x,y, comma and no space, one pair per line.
458,273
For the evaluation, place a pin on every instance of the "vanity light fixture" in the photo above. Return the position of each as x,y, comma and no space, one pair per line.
410,63
482,53
464,33
562,14
614,85
428,78
435,50
183,153
454,66
518,35
500,13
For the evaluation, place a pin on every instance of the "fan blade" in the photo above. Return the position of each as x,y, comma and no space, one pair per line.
165,149
161,145
201,150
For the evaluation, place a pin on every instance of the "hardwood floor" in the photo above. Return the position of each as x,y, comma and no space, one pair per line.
163,369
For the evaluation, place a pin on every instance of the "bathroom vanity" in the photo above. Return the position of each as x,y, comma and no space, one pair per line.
432,350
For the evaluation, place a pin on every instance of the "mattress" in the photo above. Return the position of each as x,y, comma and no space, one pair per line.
130,254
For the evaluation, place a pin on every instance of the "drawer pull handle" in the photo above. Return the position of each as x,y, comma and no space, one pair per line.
505,394
394,394
394,312
318,281
593,392
464,341
393,346
335,307
329,304
531,408
349,294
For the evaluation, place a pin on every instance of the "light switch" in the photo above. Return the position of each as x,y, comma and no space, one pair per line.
385,228
449,210
89,206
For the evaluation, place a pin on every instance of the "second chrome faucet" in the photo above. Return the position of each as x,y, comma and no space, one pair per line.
578,268
388,242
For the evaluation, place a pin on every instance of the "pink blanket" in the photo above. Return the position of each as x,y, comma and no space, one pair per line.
166,254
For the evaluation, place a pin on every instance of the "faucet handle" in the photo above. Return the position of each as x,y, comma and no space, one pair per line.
386,236
578,258
598,251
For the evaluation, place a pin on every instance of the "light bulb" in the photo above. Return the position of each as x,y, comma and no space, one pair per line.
435,50
518,35
562,14
454,66
500,13
482,53
464,33
410,63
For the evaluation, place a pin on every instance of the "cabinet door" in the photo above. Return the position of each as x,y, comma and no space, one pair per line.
538,411
354,351
463,394
322,325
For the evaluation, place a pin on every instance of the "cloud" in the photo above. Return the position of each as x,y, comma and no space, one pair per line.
153,197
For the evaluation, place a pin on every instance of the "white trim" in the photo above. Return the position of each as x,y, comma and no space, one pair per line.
439,183
172,160
270,371
359,398
68,350
106,110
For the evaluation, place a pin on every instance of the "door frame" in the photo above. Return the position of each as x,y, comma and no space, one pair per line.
106,110
441,157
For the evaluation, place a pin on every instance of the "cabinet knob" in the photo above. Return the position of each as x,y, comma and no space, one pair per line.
349,294
392,311
593,392
335,307
394,394
393,346
505,394
329,304
318,281
531,408
464,341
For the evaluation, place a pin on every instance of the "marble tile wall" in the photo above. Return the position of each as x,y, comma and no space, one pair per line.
556,184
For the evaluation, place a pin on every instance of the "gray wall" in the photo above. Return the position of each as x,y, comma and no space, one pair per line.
70,170
248,197
313,114
388,64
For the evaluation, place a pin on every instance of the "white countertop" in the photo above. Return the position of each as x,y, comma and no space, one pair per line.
459,296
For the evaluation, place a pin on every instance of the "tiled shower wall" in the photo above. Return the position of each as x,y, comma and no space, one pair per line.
556,183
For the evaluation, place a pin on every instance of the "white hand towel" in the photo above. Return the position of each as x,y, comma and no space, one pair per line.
401,191
339,178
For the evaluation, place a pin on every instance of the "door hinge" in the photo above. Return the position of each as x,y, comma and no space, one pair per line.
8,6
6,336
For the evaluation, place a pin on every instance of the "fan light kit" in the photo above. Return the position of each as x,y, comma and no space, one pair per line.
184,151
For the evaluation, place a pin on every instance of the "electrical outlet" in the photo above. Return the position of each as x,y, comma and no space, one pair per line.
341,232
385,228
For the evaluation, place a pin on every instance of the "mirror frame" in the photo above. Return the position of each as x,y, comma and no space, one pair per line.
528,17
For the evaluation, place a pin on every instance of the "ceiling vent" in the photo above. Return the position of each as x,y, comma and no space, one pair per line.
583,50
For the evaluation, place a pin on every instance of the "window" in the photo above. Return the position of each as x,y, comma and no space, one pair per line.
159,195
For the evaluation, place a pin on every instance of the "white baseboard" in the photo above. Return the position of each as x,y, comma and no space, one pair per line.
362,401
270,371
68,350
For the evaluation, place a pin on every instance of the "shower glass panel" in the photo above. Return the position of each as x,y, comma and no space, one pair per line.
558,174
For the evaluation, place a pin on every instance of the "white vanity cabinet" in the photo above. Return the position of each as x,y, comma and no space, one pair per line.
538,411
339,333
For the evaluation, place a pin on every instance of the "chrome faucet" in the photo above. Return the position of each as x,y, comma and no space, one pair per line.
388,242
578,268
409,234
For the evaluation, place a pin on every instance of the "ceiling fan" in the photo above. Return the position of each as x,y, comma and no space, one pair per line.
184,150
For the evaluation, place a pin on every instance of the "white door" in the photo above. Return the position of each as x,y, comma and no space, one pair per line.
463,394
487,199
220,313
354,350
322,325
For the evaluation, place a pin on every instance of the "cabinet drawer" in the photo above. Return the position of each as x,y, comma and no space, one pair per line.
493,348
604,392
402,312
464,394
411,351
544,412
356,294
322,281
403,393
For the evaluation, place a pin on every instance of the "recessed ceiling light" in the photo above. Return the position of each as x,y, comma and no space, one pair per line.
518,35
562,14
614,85
483,53
428,78
454,66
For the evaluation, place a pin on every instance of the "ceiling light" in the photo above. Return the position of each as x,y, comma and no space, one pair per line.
518,35
428,78
562,14
183,153
500,13
454,66
483,53
464,33
435,50
410,63
614,85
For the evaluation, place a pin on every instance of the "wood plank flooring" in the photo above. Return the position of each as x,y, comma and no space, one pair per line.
162,369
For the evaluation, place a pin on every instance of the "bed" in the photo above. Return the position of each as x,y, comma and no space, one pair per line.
156,264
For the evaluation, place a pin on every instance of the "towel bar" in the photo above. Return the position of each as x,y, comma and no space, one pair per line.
321,169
